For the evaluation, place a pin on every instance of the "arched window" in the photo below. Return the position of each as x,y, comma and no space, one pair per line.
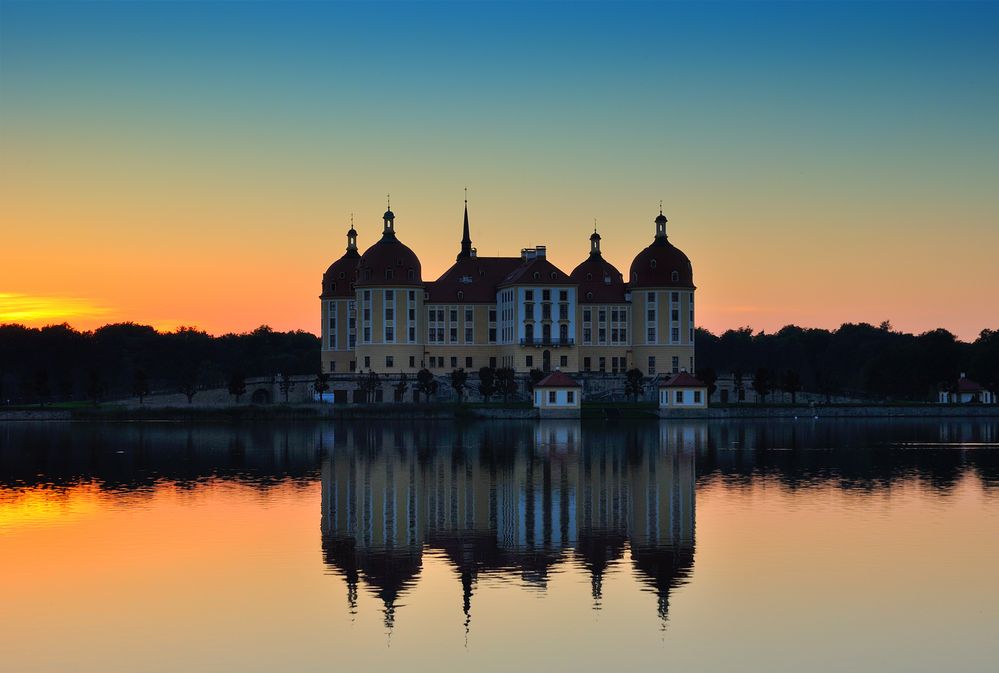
563,333
388,274
342,275
461,295
529,332
367,274
536,275
411,274
333,286
676,276
652,263
553,275
589,296
589,276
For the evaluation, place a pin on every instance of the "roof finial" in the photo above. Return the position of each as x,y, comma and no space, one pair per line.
594,225
388,202
352,220
466,195
660,206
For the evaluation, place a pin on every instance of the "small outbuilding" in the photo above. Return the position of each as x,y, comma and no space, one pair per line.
558,395
966,391
683,391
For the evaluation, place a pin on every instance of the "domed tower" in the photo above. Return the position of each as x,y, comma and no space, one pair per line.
337,299
389,295
603,313
661,283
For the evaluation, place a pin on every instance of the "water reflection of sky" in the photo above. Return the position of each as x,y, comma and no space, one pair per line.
434,540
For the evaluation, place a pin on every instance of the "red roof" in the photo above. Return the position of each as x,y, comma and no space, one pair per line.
598,280
475,277
966,385
537,271
557,380
682,380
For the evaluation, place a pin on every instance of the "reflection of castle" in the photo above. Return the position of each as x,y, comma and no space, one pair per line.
519,502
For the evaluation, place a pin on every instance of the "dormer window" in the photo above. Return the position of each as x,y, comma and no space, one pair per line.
333,286
388,274
461,295
367,274
676,276
341,275
607,279
411,274
536,275
589,276
589,296
554,275
652,263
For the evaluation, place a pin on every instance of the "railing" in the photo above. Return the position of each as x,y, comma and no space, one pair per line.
550,341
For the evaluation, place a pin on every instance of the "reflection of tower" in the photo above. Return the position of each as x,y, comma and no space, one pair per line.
370,525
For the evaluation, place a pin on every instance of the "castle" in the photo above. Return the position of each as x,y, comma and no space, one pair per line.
380,315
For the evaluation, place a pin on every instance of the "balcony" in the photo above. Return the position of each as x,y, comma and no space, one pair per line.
553,342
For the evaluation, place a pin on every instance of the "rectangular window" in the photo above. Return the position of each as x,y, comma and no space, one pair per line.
528,295
678,397
563,295
546,295
563,361
652,365
602,335
602,316
586,315
453,334
492,362
367,362
586,364
412,360
603,364
367,334
529,361
468,335
676,364
332,365
551,397
453,315
675,334
675,315
650,335
468,363
389,333
412,334
563,311
650,297
389,361
697,397
587,335
454,362
675,297
389,295
546,311
353,365
651,315
570,397
492,315
492,335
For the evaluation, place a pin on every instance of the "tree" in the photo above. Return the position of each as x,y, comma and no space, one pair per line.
791,383
321,384
286,385
237,385
140,384
41,387
634,383
401,387
459,379
761,384
506,382
738,386
534,378
95,386
426,383
709,378
487,382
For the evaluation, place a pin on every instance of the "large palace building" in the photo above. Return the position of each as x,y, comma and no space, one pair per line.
379,314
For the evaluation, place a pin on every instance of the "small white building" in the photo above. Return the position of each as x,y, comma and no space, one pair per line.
558,395
683,391
966,391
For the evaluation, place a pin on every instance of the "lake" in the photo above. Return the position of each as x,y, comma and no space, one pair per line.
500,546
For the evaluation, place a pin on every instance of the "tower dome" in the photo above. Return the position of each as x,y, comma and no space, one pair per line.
389,261
598,279
339,277
661,264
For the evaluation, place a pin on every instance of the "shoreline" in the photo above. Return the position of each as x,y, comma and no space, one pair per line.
515,411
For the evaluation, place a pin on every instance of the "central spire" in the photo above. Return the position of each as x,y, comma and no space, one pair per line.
466,239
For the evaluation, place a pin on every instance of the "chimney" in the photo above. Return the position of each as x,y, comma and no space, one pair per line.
541,251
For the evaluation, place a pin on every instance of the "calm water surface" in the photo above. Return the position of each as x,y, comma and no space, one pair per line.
551,546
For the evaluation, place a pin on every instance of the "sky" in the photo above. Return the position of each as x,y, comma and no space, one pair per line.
194,163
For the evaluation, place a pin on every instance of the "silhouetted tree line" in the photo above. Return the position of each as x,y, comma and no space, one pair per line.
59,363
859,360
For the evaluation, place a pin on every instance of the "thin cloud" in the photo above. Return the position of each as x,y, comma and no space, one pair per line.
46,310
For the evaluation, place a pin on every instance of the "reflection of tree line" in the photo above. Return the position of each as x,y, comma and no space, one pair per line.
519,500
799,454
